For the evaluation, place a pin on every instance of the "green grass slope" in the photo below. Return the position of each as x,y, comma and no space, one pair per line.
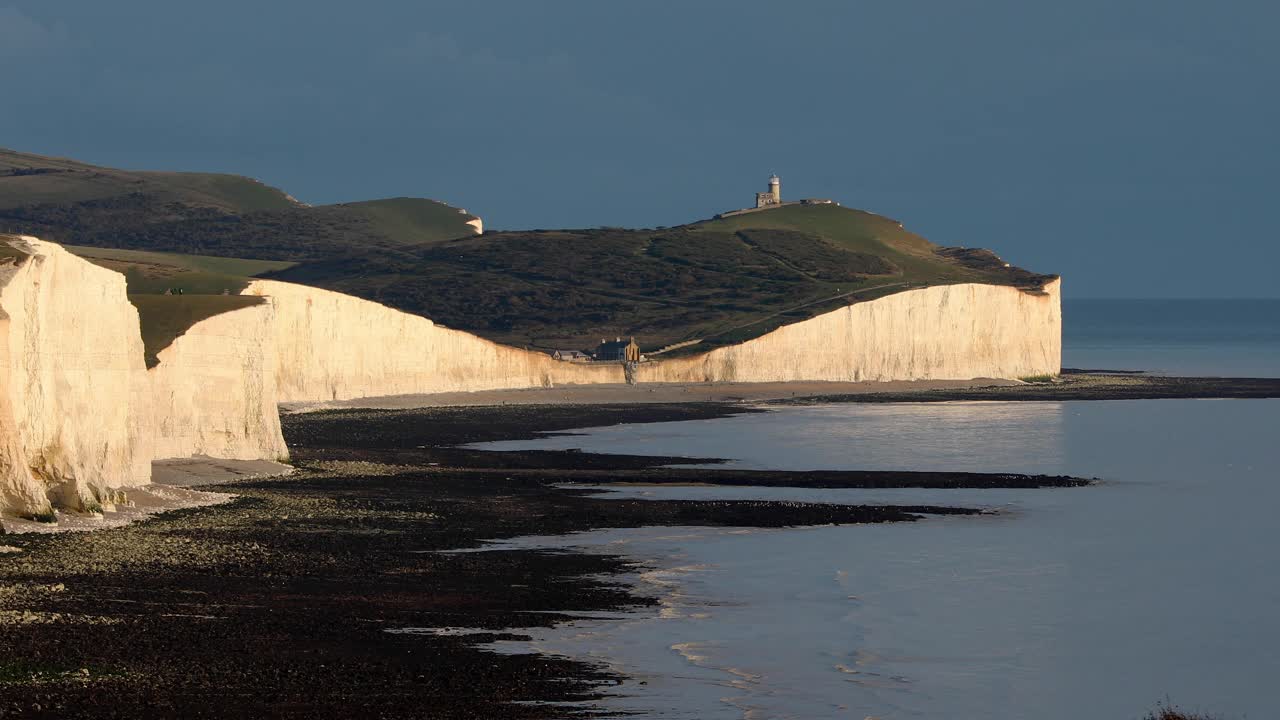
413,220
201,234
152,273
164,318
76,203
717,282
197,284
706,284
27,179
231,192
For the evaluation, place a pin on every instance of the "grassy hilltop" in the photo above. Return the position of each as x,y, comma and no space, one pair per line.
719,281
704,284
202,233
74,203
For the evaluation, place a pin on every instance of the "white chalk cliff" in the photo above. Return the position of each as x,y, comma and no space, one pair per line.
331,346
214,390
81,416
71,370
948,332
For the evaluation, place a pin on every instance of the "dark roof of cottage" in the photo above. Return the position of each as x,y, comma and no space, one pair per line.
615,344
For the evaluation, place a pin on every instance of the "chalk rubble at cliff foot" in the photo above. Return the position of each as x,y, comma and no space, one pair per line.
71,365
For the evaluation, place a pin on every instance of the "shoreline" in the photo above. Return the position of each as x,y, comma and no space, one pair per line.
645,393
171,488
1071,385
197,609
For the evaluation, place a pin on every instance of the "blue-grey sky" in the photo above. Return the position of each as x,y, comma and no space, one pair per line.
1129,146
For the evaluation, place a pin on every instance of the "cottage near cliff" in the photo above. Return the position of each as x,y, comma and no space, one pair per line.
618,350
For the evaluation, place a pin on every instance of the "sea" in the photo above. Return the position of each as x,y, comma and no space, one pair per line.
1158,584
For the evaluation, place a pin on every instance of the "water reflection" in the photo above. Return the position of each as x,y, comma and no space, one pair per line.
1083,602
969,436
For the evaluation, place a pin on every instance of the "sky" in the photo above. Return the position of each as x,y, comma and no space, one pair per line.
1129,146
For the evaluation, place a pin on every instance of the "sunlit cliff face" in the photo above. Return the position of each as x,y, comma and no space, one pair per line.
954,332
81,415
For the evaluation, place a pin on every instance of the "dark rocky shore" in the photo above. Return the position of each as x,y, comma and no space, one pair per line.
277,604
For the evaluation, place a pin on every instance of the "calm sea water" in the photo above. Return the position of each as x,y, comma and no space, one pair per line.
1231,338
1085,602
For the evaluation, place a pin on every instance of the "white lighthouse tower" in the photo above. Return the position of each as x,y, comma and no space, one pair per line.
774,196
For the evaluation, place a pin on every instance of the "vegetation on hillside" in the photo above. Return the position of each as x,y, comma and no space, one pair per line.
27,179
200,213
191,232
719,281
163,318
711,283
172,291
154,273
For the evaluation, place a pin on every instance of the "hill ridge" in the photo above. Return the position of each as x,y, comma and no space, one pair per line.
716,281
76,203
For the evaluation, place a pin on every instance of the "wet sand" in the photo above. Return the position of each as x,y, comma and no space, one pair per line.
187,472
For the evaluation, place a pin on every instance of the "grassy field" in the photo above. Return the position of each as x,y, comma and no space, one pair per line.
857,231
152,273
202,280
199,263
721,281
75,203
718,282
27,179
233,192
411,220
162,318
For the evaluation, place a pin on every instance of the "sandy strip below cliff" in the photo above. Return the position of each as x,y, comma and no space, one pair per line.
170,490
643,393
185,472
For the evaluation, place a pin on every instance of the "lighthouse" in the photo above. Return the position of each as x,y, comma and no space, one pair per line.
774,196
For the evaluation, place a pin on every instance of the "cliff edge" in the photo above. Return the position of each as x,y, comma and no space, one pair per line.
70,377
947,332
83,416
